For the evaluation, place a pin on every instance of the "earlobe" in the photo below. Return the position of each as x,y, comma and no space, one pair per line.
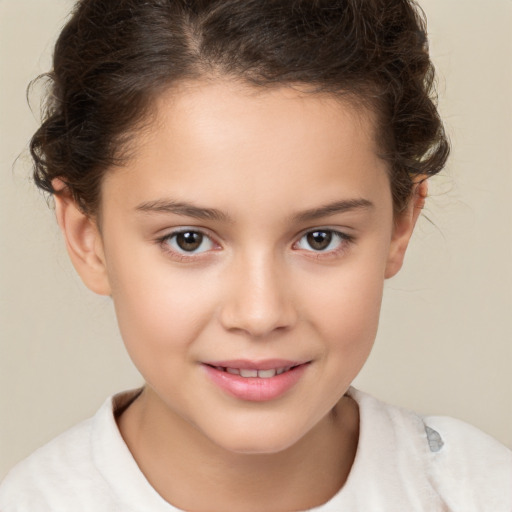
83,240
404,227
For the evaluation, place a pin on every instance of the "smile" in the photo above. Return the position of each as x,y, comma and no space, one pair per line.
253,381
262,374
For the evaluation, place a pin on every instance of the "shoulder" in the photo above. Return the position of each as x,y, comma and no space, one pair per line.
34,479
455,464
58,474
88,468
469,467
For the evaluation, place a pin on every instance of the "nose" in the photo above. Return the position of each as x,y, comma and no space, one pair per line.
257,299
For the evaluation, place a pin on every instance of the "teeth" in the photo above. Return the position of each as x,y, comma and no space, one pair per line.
248,373
267,374
262,374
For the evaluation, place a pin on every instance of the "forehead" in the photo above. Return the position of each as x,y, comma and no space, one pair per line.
216,113
224,141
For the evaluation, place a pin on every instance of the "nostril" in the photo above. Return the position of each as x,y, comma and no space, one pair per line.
257,302
238,317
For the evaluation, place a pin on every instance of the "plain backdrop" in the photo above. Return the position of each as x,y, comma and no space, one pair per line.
445,341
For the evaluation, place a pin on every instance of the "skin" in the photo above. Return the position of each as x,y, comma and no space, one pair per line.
255,289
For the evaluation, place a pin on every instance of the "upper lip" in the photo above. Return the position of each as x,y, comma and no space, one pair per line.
263,364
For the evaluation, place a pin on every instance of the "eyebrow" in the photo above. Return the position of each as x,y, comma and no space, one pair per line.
190,210
183,208
332,209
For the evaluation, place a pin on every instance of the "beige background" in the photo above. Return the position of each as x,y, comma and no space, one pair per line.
445,344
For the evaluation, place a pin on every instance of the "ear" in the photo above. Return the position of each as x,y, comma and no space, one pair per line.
83,240
403,228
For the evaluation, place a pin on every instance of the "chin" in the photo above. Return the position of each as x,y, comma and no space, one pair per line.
257,441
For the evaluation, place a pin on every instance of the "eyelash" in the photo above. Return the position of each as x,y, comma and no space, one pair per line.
344,242
182,256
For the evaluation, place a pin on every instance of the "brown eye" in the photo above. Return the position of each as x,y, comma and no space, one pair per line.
188,241
324,241
319,240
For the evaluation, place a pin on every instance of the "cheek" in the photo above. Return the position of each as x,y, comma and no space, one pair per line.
350,296
344,316
351,311
158,307
347,313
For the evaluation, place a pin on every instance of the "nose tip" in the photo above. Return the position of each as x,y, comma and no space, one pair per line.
258,303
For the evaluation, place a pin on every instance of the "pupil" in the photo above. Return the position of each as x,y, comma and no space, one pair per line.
319,240
189,241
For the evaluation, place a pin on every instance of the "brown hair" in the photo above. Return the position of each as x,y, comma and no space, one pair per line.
114,56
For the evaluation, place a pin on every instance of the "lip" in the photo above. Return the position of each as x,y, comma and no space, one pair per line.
255,389
263,364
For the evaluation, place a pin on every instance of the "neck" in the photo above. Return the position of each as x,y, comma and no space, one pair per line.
191,472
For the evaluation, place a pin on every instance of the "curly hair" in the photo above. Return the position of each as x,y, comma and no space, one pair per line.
113,58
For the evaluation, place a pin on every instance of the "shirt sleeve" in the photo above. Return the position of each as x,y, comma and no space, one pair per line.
471,470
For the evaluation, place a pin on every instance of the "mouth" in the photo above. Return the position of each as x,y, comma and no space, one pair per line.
256,381
255,373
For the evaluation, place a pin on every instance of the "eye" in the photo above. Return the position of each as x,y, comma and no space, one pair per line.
188,242
323,240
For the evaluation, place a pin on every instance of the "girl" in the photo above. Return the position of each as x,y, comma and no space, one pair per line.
241,177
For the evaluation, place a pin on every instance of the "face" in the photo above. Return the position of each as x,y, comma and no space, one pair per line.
245,248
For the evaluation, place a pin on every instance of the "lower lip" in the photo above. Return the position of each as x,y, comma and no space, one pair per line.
256,389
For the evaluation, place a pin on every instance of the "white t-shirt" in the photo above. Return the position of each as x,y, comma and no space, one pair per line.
404,463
